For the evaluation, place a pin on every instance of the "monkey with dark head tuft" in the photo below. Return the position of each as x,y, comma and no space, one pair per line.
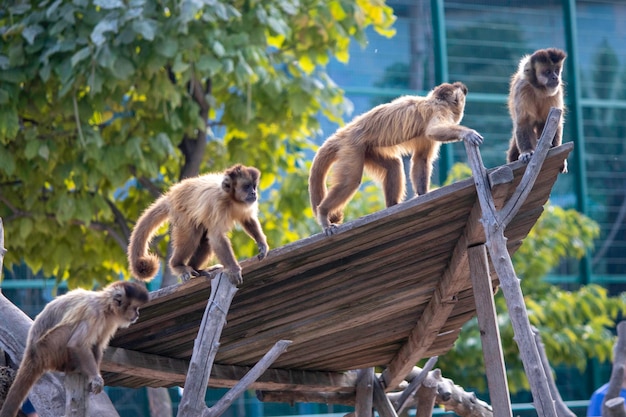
535,88
201,211
71,333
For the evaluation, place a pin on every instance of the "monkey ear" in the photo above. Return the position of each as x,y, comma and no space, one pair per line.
255,174
227,184
462,86
118,297
443,92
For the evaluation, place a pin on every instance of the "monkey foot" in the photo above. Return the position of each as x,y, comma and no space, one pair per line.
262,252
331,229
96,384
525,156
235,277
186,276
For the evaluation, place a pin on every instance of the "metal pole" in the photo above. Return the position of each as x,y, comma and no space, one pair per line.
446,158
575,119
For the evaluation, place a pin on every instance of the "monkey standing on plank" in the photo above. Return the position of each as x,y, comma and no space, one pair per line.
376,140
70,335
535,88
201,210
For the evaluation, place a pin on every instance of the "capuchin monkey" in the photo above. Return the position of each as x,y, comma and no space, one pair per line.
376,140
70,335
201,211
535,88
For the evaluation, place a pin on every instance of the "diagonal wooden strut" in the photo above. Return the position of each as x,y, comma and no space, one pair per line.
204,352
495,222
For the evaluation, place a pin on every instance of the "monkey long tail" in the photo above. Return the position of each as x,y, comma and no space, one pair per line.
26,377
324,158
143,264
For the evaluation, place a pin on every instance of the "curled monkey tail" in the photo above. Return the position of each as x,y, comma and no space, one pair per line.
26,377
143,264
324,158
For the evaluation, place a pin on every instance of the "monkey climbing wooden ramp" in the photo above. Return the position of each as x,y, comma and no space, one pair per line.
387,290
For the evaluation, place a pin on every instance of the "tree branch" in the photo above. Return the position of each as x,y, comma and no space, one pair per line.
120,220
193,148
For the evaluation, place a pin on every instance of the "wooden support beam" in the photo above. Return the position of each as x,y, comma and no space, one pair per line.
561,408
426,396
610,406
76,395
174,371
381,402
318,397
495,224
401,403
206,346
364,393
489,331
228,398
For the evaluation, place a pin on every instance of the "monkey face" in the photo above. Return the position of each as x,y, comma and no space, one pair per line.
549,76
127,297
246,191
130,313
241,183
544,67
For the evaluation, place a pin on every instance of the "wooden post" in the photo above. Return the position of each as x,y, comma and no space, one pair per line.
381,401
426,396
363,406
205,346
76,395
489,331
611,408
495,223
414,385
561,407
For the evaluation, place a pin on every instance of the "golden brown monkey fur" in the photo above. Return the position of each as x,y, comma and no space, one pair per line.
534,89
201,211
71,333
376,140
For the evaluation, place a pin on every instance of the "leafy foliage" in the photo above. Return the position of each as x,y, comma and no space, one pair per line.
105,104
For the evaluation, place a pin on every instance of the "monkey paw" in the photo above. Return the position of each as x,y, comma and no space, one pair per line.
331,229
187,275
96,384
473,137
262,251
564,167
525,156
235,277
